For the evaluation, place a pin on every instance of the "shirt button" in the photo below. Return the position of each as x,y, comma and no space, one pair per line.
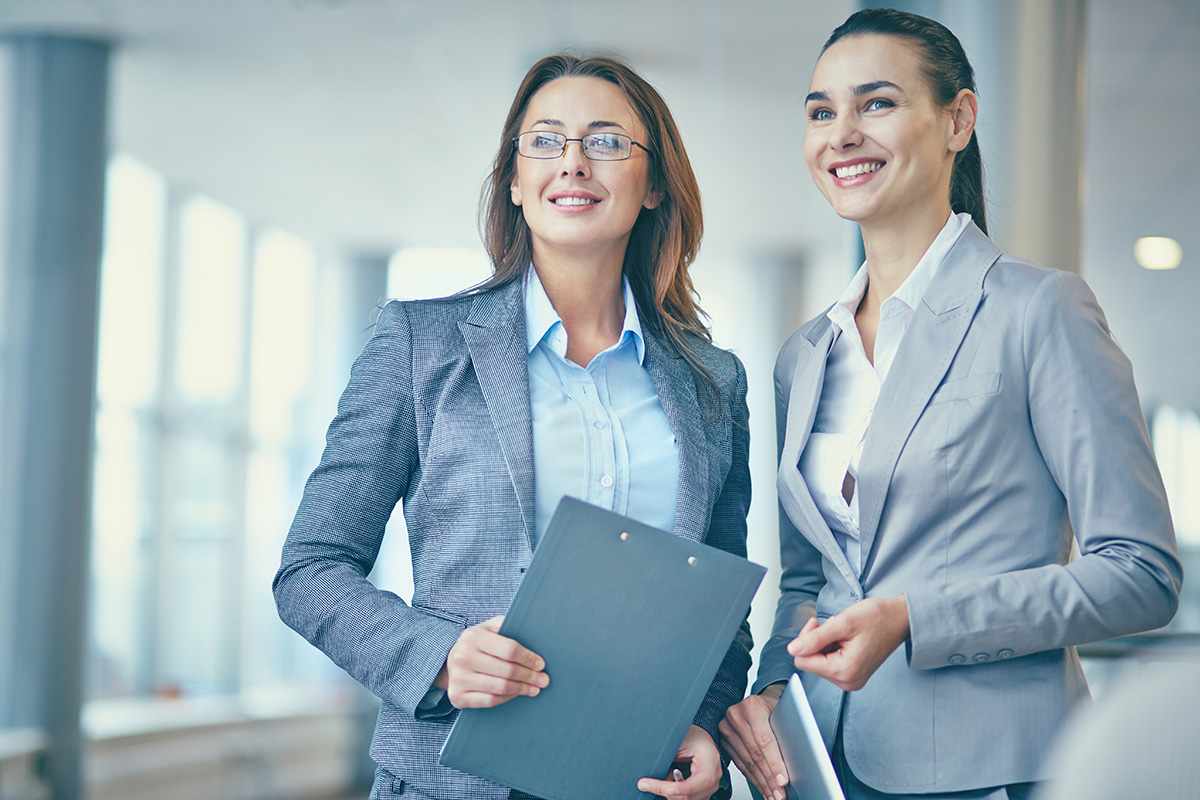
981,657
606,481
600,424
958,658
1005,653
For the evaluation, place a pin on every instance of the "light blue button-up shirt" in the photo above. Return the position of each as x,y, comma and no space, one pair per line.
599,433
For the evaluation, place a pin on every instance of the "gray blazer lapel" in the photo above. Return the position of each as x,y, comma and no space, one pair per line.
797,502
938,327
494,331
676,391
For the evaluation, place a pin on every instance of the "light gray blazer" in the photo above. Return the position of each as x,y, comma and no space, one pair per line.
437,416
1009,418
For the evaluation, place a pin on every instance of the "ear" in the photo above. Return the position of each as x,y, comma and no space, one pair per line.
653,198
515,189
963,111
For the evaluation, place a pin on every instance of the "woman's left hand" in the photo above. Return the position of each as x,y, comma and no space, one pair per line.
848,647
700,751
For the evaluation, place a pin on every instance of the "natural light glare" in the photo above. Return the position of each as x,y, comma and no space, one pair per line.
211,301
420,272
1158,252
1176,438
130,284
282,347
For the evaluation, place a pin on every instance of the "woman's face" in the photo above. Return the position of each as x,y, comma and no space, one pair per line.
575,206
877,144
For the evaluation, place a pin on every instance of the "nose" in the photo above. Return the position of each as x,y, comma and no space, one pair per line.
574,162
845,132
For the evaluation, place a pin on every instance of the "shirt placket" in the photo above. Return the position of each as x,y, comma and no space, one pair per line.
600,477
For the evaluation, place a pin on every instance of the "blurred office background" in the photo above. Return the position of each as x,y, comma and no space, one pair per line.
202,202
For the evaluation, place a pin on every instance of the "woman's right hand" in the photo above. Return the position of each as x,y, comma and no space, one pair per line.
485,669
747,737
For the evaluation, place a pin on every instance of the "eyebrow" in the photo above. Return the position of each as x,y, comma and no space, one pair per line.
595,125
861,89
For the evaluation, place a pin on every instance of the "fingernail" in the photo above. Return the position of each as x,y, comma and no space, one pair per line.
533,691
539,665
543,680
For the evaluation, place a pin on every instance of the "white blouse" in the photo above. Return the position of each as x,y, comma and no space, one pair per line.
852,386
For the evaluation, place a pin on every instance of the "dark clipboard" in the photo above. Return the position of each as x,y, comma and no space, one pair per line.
633,623
810,771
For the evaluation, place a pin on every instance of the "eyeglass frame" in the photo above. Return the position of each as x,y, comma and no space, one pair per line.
516,140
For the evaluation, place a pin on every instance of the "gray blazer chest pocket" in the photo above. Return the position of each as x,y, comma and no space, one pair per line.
966,388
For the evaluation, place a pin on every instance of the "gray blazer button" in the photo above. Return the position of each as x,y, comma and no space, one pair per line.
982,657
958,658
1006,653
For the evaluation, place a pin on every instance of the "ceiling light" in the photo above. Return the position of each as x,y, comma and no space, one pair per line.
1157,252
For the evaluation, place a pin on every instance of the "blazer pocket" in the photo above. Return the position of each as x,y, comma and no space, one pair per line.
966,388
446,615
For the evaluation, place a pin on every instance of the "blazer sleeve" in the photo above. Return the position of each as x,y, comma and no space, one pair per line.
802,573
727,530
321,588
1088,425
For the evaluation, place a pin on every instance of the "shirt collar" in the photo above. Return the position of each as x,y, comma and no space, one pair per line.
913,288
542,322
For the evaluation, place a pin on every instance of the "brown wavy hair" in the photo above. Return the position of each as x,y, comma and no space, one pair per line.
664,240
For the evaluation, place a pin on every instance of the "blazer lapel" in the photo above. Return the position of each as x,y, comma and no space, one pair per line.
494,331
938,327
676,391
796,501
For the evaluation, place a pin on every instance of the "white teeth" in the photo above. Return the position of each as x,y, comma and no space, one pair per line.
574,201
857,169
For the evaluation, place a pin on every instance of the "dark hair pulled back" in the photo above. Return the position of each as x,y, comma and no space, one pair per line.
948,71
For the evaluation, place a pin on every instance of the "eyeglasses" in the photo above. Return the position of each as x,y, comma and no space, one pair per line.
596,146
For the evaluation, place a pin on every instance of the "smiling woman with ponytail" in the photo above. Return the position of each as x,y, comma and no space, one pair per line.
945,427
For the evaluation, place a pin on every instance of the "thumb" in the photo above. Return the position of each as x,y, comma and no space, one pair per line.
819,638
493,624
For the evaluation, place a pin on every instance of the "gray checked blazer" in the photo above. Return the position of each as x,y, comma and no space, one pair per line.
437,417
1009,418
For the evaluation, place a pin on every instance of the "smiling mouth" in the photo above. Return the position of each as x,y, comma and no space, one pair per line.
854,170
574,201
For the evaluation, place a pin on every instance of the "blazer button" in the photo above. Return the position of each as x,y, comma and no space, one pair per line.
958,658
1006,653
981,657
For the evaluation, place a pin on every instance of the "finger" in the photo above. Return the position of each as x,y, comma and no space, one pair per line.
488,664
488,674
673,789
819,638
507,649
493,624
474,699
743,745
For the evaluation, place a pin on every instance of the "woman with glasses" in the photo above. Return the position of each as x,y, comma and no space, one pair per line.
582,367
945,427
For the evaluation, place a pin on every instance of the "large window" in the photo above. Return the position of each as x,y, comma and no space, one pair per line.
1176,437
205,364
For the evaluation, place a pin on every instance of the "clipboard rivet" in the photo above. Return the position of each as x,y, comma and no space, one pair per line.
624,536
692,560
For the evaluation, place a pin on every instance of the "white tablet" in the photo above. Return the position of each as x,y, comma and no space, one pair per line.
810,771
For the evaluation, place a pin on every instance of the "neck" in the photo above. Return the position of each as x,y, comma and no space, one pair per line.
589,297
893,250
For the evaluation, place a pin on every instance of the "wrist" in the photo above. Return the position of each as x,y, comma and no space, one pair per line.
773,692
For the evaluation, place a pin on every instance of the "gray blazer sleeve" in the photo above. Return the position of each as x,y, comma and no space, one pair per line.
803,575
1088,424
727,530
321,589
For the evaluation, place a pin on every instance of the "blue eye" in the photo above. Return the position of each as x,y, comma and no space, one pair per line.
820,115
605,144
879,103
545,141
